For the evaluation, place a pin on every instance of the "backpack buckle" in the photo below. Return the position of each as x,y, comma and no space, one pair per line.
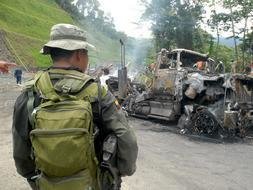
66,89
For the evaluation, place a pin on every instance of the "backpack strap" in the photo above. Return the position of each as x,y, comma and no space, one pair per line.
30,106
45,87
71,82
100,100
29,87
68,84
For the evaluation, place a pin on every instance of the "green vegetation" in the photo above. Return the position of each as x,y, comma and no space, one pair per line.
27,24
177,24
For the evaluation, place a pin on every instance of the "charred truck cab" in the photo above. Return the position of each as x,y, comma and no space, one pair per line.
183,81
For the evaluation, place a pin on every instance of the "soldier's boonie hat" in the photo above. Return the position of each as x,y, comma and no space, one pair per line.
68,37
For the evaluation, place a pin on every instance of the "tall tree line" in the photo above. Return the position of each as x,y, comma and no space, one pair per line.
235,19
89,11
176,23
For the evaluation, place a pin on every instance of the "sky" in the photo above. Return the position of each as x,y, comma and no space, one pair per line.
126,15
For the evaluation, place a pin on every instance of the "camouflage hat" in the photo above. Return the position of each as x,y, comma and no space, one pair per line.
68,37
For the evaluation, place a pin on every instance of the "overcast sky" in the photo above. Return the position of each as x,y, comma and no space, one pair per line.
126,15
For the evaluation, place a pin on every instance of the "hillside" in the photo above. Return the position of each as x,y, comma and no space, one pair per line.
228,41
25,26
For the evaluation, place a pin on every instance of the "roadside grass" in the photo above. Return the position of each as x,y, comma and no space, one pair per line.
27,50
107,50
27,24
31,17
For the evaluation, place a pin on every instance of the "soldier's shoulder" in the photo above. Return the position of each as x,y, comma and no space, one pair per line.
93,89
30,83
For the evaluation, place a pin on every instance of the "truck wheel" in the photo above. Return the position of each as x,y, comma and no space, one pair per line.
204,122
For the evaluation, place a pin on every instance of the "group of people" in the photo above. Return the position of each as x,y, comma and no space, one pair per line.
68,130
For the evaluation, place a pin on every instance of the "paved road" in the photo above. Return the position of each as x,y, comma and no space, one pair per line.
169,161
166,161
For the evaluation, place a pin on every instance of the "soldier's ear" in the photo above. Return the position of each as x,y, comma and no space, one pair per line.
80,53
77,55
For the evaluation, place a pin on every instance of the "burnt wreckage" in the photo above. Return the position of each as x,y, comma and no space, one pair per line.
238,114
184,86
191,88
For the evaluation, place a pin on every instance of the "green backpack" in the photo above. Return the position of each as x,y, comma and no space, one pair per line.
62,136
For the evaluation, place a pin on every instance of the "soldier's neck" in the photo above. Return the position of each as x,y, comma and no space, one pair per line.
62,64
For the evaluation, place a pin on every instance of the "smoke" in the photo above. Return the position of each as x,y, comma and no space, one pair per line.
138,54
103,78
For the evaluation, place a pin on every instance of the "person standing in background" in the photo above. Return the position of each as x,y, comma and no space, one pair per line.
18,75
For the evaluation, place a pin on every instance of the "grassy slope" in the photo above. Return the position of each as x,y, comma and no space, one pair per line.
27,24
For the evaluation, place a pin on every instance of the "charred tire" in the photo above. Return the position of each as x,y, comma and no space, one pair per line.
204,122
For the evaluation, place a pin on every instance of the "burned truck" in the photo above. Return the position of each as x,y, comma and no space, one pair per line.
186,87
192,89
238,113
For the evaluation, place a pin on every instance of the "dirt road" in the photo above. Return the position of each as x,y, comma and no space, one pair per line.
169,161
166,161
9,179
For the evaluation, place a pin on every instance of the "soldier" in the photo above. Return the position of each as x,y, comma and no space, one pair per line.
55,119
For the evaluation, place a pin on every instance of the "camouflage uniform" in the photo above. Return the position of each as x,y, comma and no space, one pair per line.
113,121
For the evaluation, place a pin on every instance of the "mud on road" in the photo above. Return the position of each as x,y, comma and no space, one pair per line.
166,160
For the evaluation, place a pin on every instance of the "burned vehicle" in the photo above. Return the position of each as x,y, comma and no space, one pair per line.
122,86
185,87
238,114
192,89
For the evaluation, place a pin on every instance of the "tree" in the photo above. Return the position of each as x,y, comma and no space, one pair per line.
174,22
239,12
233,18
246,13
88,12
69,7
89,8
234,14
215,23
247,46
